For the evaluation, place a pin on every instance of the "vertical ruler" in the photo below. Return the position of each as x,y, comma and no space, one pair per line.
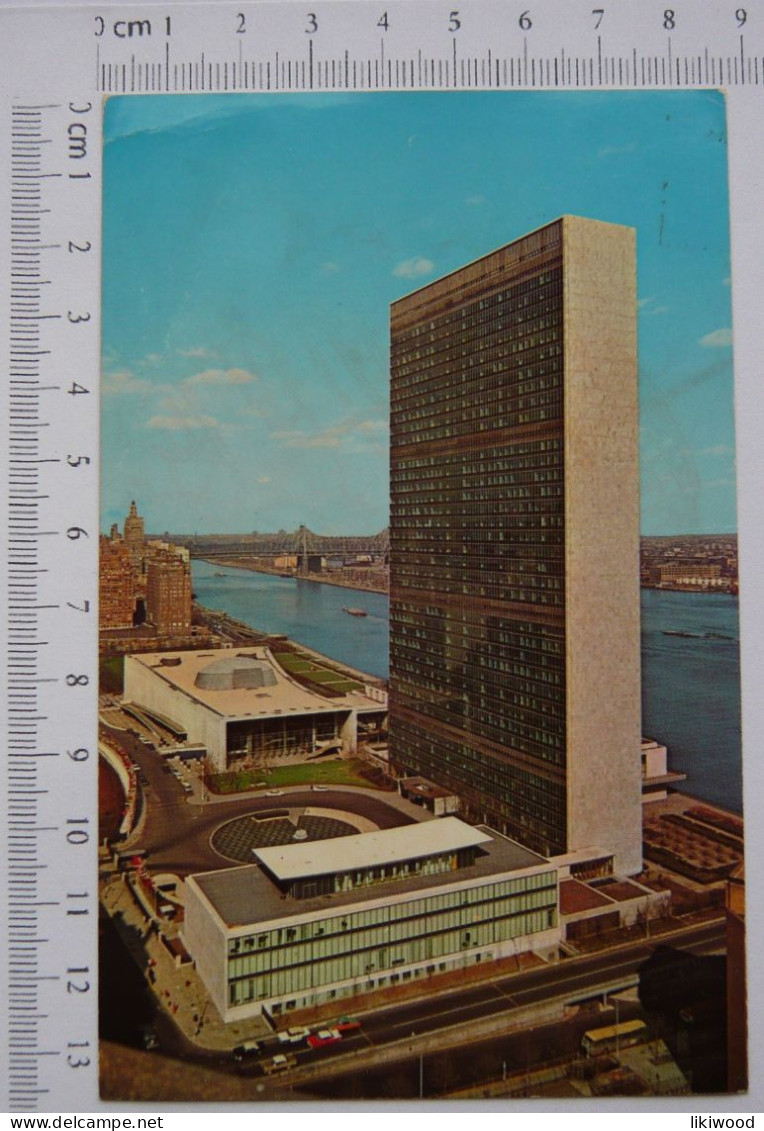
51,599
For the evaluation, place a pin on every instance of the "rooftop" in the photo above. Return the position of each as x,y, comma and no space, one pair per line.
214,677
246,895
385,846
575,897
423,787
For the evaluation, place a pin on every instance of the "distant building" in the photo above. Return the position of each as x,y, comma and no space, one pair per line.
152,577
688,573
116,585
168,591
656,776
314,922
134,535
514,658
245,708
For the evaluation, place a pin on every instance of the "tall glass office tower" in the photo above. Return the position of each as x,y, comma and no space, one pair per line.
515,667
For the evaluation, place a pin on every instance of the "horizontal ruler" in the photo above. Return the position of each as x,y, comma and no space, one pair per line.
373,46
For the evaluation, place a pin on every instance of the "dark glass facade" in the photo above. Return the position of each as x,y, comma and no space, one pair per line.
477,538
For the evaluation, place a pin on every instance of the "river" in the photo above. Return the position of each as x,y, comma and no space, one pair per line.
690,684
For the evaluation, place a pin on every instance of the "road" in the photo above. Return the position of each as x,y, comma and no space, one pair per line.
176,831
457,1016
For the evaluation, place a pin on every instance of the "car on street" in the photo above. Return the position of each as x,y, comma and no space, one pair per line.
274,793
248,1048
293,1036
347,1024
324,1037
279,1063
320,788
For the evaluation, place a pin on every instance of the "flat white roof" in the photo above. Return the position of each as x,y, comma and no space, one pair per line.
285,697
386,846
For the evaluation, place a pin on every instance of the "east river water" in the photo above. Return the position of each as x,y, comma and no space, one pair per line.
690,684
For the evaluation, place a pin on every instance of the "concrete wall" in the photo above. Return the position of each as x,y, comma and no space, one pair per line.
602,615
206,941
147,687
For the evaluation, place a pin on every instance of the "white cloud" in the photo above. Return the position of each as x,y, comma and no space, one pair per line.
181,423
197,351
356,436
221,377
648,307
413,268
716,450
123,382
263,479
476,200
330,268
331,438
616,150
717,339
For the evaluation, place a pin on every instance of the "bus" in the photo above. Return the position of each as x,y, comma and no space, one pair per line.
610,1037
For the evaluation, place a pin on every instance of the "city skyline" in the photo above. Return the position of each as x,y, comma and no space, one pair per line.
247,365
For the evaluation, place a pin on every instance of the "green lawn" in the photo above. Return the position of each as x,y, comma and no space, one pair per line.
111,675
339,771
313,672
292,663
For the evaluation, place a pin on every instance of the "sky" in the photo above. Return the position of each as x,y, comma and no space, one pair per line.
252,246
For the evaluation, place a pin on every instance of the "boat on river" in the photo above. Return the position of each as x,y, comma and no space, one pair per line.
355,612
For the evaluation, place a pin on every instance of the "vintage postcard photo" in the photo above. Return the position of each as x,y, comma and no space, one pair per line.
421,770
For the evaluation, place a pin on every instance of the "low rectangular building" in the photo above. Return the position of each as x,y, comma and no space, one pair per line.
313,922
245,708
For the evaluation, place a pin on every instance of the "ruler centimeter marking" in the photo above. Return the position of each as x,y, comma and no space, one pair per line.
360,46
343,73
268,47
50,812
23,673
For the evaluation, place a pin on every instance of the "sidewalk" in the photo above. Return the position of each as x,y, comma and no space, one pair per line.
177,989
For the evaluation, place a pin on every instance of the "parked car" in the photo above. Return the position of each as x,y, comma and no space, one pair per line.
293,1036
324,1037
320,788
274,793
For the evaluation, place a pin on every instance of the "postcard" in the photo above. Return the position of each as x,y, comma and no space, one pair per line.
421,769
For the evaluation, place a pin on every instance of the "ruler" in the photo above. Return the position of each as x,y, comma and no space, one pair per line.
59,64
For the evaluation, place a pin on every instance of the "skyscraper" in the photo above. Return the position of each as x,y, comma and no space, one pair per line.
515,667
134,536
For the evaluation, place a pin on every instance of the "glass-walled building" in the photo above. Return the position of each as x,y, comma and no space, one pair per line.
314,922
514,584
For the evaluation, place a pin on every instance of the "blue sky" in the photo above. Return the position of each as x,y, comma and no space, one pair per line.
253,244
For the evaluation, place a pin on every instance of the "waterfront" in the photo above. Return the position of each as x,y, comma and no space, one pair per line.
690,684
308,612
691,689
